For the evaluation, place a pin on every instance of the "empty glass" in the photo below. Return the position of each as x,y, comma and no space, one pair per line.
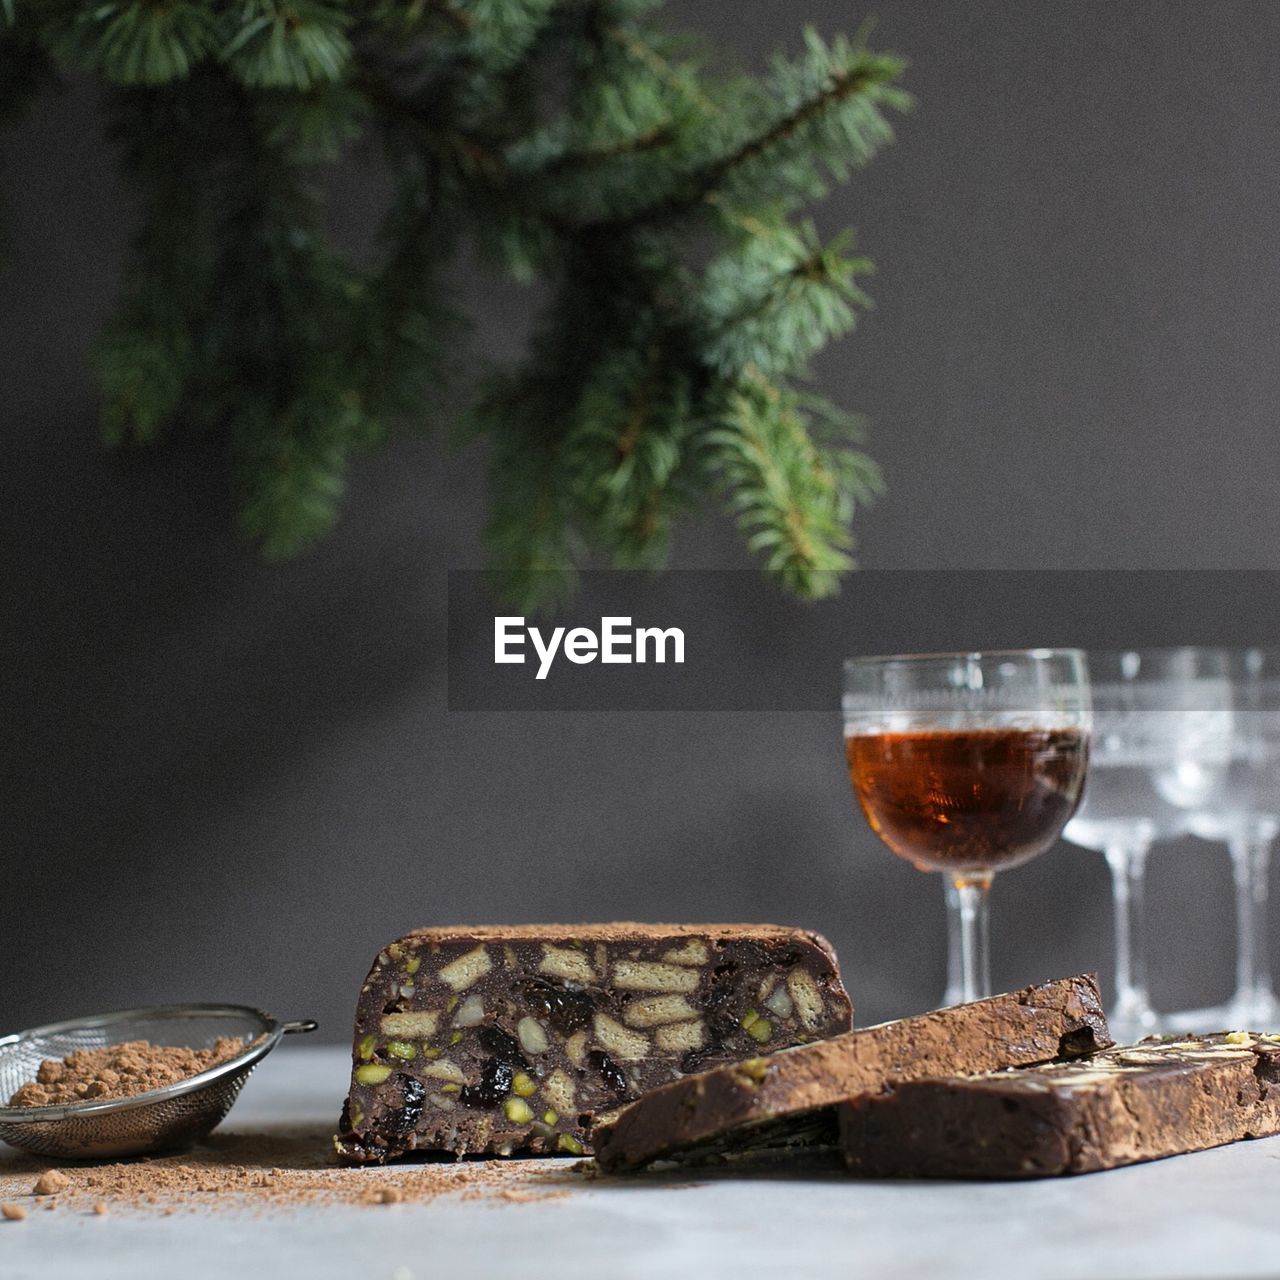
1243,811
1160,725
967,763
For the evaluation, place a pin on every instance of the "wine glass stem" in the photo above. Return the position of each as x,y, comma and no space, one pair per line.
1128,863
954,994
975,963
1250,861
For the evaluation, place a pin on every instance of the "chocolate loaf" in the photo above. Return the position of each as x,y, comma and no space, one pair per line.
1120,1107
787,1098
511,1039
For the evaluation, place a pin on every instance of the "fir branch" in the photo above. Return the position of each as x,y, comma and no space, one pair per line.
532,546
651,139
570,141
288,44
680,78
865,76
624,452
791,498
135,42
842,86
777,298
145,356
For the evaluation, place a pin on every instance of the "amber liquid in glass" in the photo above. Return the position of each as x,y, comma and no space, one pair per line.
968,800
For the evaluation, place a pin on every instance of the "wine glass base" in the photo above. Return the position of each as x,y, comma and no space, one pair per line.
1130,1022
1253,1014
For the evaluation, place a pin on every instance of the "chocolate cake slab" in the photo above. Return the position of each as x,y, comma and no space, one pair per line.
502,1040
787,1098
1120,1107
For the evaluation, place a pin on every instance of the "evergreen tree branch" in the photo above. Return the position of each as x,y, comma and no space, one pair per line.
570,141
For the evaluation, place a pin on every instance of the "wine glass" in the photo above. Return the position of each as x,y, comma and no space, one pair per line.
1159,719
968,763
954,992
1243,811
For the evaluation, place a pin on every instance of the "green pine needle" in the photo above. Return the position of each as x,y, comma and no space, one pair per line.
293,45
578,144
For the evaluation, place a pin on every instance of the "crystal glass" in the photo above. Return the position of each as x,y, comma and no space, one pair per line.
1160,724
968,763
954,993
1242,810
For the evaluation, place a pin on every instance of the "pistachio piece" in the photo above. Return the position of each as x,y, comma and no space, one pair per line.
760,1030
431,1052
1237,1037
372,1073
532,1035
748,1018
517,1110
524,1085
466,969
549,1116
568,1143
405,1050
412,965
366,1045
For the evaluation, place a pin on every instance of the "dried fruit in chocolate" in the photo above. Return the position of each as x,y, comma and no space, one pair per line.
514,1039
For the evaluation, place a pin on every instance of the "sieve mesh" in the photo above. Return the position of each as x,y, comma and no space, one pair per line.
169,1117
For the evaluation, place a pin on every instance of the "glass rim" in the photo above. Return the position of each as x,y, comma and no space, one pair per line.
1167,650
964,655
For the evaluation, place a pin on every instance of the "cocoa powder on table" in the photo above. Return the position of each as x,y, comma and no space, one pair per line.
277,1169
119,1071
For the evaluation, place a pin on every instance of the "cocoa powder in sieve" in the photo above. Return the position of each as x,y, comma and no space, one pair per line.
119,1071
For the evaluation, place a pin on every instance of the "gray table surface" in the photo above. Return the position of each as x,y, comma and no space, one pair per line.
1214,1214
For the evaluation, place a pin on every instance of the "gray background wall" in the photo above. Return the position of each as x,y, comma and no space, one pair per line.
225,780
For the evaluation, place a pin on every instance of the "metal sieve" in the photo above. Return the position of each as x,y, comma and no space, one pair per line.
168,1117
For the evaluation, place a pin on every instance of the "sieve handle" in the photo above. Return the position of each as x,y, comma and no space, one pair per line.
299,1028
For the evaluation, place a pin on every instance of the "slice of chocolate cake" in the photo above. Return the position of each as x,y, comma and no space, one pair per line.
1151,1100
787,1098
512,1039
